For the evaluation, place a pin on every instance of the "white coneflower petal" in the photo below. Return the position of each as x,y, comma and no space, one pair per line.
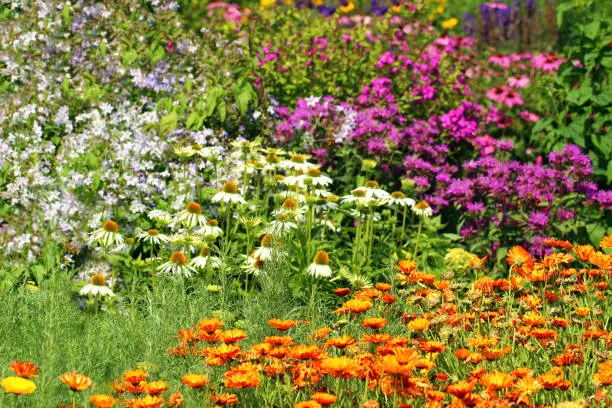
319,268
96,286
422,208
108,235
229,194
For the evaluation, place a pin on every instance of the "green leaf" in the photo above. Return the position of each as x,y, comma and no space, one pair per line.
168,123
579,96
604,98
191,119
590,30
596,233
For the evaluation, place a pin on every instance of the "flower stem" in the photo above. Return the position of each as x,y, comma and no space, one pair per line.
416,244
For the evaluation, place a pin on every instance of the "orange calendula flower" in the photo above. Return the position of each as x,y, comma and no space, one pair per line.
582,311
102,400
383,286
306,352
534,318
370,404
194,380
307,404
146,402
233,336
460,389
497,380
344,367
279,340
406,266
157,387
324,398
342,292
606,242
225,399
243,376
321,333
282,325
210,325
24,369
419,324
135,376
176,400
603,376
341,342
374,322
76,381
355,306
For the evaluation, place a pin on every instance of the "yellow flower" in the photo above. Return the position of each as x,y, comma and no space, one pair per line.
267,3
450,23
18,385
348,8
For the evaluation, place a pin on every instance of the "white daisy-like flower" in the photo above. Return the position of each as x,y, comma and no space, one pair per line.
373,190
423,209
253,265
291,194
282,224
191,216
291,208
211,230
316,178
205,260
152,237
399,199
319,268
162,217
96,286
229,194
176,265
297,162
266,249
359,196
107,235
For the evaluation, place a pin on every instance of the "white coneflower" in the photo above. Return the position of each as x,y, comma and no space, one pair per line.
96,286
358,196
267,246
282,224
229,194
291,194
422,208
319,268
205,260
292,209
297,162
357,281
176,265
398,198
253,265
211,230
191,216
161,217
187,241
316,178
152,237
272,161
249,222
373,190
108,235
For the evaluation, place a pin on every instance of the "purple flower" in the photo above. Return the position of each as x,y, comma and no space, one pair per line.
538,219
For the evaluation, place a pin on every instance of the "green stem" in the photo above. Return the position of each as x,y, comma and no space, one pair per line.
416,244
403,226
227,225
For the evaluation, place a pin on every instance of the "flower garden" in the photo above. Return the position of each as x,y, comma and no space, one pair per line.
305,204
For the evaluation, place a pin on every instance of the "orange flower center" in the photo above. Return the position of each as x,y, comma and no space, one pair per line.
110,226
398,195
290,204
230,188
153,232
178,258
213,223
98,280
321,258
314,172
372,184
421,205
298,158
193,208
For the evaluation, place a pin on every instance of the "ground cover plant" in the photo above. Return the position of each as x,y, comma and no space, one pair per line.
304,205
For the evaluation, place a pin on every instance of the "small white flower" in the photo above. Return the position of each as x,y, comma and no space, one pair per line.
191,216
398,198
152,236
108,235
229,194
319,268
422,208
96,286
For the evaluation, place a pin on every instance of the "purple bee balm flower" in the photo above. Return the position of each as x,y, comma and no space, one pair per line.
538,219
